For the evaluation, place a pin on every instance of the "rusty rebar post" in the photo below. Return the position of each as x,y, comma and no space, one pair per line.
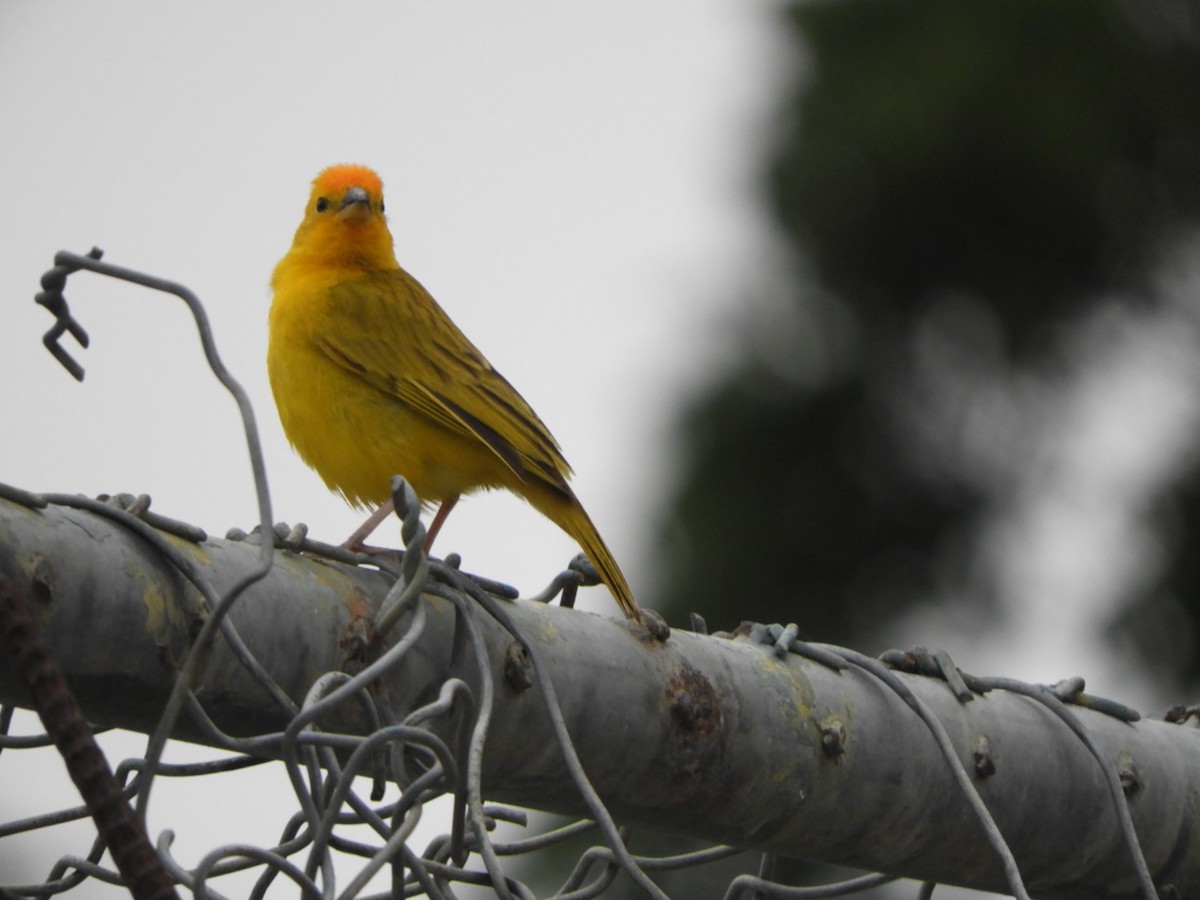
64,721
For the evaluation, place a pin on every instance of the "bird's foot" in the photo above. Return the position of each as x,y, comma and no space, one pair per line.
656,626
368,550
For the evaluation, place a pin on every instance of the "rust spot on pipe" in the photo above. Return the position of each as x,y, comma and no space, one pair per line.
518,668
692,702
42,579
695,741
355,640
833,737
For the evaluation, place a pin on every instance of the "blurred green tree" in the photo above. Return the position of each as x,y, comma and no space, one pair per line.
956,182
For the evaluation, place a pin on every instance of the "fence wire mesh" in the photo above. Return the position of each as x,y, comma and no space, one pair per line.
341,842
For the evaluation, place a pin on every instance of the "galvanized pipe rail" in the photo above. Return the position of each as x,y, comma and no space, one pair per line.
705,736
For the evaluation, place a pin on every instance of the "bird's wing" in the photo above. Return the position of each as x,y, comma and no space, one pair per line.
390,332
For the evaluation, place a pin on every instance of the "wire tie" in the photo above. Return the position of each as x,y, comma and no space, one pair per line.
25,498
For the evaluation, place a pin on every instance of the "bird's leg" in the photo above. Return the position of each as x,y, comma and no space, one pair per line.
356,542
439,519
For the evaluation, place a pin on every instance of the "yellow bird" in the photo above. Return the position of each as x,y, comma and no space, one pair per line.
372,379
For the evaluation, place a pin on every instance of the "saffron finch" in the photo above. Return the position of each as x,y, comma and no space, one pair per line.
372,379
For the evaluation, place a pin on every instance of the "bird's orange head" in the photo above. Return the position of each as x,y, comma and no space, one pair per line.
344,227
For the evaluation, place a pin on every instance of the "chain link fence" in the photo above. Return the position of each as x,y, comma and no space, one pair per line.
369,749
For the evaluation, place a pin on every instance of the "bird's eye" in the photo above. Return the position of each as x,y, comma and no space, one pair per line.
381,204
322,204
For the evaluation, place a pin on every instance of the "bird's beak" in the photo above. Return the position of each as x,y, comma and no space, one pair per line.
356,199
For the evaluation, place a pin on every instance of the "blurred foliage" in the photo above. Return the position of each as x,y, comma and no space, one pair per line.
1034,153
946,174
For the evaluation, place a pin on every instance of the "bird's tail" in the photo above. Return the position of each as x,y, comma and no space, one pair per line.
574,520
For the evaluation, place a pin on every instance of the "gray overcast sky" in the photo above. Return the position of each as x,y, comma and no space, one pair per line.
573,182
